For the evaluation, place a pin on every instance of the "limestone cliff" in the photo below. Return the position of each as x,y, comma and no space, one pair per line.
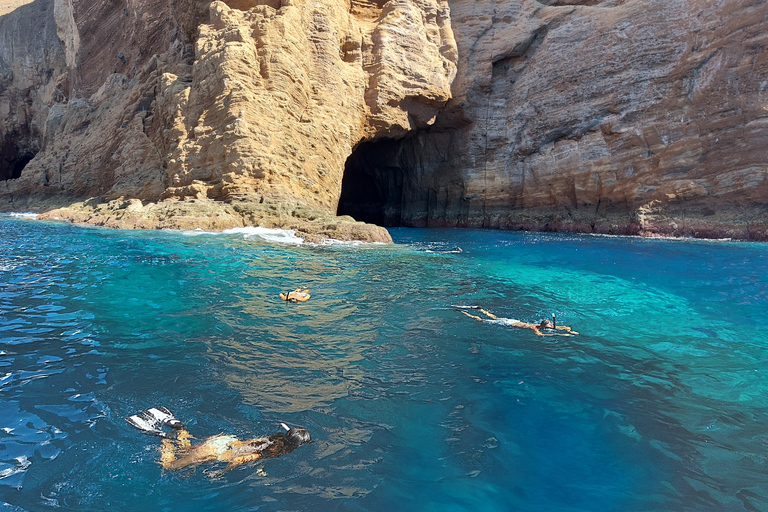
31,60
617,116
614,116
255,104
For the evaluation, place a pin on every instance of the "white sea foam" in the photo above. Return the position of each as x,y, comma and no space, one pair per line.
22,463
349,243
279,236
198,232
22,215
665,238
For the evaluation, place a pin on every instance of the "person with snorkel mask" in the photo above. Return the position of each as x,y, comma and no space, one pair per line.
543,328
178,452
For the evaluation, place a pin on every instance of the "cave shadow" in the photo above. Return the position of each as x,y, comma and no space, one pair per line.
372,186
16,151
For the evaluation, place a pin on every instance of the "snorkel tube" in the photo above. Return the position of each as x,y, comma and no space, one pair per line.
554,322
296,436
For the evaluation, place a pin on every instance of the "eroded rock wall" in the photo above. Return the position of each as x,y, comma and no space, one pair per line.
614,117
31,60
257,102
93,78
281,94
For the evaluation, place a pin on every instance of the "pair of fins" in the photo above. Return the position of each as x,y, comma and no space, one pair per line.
153,420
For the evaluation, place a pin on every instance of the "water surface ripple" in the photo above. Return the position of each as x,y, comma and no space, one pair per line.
660,404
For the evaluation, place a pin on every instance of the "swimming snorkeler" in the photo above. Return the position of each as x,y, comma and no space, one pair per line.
177,452
297,295
543,328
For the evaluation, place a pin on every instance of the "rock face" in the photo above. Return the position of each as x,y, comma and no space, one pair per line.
600,116
248,101
615,116
31,59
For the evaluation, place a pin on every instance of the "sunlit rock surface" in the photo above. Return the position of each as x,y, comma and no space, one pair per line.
617,116
255,102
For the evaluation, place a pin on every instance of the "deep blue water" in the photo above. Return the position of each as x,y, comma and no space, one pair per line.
660,404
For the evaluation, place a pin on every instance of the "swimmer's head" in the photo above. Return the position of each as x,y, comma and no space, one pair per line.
298,436
546,324
174,424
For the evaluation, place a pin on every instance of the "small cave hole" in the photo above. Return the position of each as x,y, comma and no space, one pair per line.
13,159
372,186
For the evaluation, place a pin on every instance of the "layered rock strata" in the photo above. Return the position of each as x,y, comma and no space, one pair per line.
623,117
257,103
612,116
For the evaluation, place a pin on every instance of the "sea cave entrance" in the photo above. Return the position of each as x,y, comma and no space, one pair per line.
14,158
372,187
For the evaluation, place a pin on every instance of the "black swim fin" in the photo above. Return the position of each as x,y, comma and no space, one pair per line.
153,420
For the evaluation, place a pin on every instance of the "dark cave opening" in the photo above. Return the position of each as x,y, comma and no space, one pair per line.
13,158
372,187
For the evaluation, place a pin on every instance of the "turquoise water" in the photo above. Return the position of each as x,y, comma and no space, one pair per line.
660,404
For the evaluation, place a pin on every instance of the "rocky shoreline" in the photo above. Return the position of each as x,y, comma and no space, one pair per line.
310,224
316,225
603,116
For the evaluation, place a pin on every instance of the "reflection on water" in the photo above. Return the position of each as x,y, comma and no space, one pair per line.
659,404
291,357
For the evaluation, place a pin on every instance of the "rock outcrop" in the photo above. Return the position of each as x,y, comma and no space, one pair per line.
243,101
612,116
31,60
617,116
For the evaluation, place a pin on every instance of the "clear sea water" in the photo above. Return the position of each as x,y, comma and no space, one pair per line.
660,404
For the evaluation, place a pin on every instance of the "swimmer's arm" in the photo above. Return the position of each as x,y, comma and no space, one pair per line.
566,328
535,329
182,438
242,459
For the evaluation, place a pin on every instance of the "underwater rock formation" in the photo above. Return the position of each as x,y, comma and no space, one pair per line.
614,116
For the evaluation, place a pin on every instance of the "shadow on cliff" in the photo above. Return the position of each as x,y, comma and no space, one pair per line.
404,182
372,188
14,156
25,27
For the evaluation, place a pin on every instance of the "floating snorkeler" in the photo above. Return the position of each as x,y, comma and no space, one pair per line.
544,328
177,452
297,295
